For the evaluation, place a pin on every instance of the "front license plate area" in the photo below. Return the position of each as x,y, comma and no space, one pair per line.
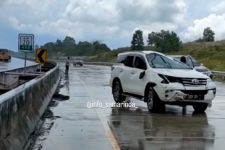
194,97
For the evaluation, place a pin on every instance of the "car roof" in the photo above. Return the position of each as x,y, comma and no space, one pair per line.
177,55
140,52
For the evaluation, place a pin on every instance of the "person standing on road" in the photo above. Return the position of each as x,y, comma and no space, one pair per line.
67,65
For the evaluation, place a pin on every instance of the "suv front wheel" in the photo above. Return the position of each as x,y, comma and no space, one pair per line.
117,92
153,102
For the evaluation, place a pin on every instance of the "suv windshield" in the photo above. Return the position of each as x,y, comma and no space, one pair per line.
189,61
195,62
159,61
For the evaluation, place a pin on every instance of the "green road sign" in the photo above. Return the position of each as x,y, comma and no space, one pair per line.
26,42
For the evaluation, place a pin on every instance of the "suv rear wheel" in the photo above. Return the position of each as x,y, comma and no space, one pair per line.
153,102
117,92
200,108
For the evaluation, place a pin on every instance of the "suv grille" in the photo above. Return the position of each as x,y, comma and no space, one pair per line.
193,81
188,81
195,92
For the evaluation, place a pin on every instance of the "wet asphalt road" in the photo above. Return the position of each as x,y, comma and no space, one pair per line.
75,126
14,63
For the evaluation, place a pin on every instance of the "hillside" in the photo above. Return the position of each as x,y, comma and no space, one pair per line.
211,54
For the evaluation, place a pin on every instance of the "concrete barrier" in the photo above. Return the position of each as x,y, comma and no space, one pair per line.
22,107
6,79
219,74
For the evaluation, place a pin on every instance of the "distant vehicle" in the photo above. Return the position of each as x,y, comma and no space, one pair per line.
4,55
158,80
190,61
78,62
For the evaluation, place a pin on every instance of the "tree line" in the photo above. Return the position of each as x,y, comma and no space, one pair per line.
166,41
69,47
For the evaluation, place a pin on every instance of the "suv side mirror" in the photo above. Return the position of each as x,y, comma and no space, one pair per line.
142,74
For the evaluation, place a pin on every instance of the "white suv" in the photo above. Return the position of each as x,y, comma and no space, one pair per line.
159,80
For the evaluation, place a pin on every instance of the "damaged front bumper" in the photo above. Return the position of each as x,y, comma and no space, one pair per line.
188,96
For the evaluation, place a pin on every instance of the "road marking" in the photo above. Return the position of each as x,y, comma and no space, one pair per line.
109,135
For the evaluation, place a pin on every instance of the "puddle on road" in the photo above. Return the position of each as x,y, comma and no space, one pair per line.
160,131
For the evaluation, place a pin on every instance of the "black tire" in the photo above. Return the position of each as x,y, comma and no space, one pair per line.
117,92
200,108
154,104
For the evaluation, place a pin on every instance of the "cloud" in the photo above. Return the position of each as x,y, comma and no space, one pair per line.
215,21
219,8
146,11
91,11
89,19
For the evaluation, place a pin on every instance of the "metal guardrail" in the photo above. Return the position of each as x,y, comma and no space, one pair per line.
99,63
219,73
215,73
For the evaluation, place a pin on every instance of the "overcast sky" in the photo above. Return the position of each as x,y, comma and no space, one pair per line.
109,21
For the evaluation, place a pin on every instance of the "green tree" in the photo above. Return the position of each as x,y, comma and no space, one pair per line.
58,42
98,46
208,35
137,41
69,40
165,40
151,39
68,47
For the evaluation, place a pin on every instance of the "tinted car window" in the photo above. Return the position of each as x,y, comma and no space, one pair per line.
129,61
140,63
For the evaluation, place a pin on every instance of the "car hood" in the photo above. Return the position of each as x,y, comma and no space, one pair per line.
182,73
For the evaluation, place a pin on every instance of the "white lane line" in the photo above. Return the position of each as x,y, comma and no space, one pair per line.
110,137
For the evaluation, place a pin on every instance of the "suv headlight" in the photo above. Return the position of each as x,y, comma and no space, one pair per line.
164,79
169,79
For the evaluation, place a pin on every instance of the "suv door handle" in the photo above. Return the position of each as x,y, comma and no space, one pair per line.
132,72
